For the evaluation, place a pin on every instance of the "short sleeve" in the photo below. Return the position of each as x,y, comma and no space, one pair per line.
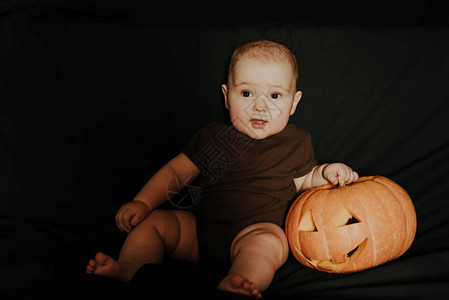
306,155
195,144
199,141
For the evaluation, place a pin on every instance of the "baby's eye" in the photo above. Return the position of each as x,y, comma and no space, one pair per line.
246,94
275,96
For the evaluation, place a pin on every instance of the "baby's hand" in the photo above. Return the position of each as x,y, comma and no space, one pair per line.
337,171
131,214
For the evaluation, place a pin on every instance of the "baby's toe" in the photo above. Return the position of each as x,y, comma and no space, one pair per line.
237,281
247,285
92,263
101,258
90,269
255,293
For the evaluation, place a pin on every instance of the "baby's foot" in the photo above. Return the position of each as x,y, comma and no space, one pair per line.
239,284
105,265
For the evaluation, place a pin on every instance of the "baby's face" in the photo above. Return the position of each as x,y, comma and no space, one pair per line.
261,96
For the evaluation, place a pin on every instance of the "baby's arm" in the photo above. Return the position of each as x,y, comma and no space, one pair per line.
174,176
326,173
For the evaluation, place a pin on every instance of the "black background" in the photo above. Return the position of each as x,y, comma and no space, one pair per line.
95,96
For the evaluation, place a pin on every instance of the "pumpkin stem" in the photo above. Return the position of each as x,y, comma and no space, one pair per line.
341,183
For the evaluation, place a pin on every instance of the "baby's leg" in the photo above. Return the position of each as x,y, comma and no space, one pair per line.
256,253
162,232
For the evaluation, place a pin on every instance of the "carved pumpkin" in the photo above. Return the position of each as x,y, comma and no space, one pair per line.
351,228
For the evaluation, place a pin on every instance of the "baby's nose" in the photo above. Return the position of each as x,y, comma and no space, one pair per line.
260,104
260,108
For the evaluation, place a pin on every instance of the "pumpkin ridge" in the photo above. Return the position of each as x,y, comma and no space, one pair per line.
386,188
324,236
298,204
368,224
379,193
365,201
397,190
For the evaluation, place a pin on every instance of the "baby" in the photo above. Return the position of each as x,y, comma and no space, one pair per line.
248,172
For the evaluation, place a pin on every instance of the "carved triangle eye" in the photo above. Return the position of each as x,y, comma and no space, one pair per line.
345,217
307,223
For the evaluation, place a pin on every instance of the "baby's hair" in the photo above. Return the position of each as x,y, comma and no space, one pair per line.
265,50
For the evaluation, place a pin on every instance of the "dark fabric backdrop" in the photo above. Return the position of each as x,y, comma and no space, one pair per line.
95,97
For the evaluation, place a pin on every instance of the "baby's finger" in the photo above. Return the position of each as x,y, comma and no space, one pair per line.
120,226
136,219
127,225
332,178
356,176
124,220
352,177
119,218
118,221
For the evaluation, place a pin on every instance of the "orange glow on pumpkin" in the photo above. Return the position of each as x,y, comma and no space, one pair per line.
351,228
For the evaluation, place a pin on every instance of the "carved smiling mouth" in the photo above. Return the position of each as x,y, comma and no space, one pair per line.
350,257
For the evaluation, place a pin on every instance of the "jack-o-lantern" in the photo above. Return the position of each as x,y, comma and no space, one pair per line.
351,228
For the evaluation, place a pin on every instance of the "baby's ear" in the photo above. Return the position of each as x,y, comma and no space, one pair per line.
296,99
224,89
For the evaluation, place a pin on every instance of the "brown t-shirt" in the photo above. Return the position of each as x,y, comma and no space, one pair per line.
244,181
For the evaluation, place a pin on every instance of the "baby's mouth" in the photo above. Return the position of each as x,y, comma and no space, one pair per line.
258,123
